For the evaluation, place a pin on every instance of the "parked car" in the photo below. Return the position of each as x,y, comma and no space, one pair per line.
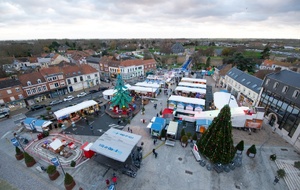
93,91
55,102
68,98
103,88
4,114
81,94
37,107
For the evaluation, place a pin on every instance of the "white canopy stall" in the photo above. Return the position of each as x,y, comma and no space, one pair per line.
223,98
193,104
193,85
116,144
65,112
192,80
187,89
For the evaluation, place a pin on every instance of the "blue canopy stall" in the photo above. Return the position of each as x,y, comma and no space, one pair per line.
156,129
202,125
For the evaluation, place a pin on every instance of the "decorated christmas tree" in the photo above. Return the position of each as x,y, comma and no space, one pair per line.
216,144
121,98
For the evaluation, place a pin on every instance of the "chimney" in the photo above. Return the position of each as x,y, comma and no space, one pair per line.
277,69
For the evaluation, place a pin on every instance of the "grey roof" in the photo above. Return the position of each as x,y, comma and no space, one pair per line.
245,79
177,48
9,83
288,77
92,59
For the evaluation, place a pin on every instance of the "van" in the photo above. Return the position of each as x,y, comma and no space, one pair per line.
4,114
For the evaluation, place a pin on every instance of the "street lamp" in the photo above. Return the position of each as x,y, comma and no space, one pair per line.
56,162
16,142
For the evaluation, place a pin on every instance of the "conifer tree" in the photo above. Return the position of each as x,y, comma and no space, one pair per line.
216,144
121,97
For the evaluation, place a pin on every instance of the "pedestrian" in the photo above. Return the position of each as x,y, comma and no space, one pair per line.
114,179
276,180
119,121
154,141
92,129
107,182
154,152
104,106
128,129
157,115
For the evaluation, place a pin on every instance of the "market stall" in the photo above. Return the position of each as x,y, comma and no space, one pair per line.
172,133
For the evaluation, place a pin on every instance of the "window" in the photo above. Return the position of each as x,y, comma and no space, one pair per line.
8,91
275,85
39,81
267,81
20,96
28,83
243,80
39,89
28,92
69,81
81,78
54,78
255,85
296,94
33,91
285,89
44,88
75,80
12,98
56,84
49,79
248,83
17,89
96,75
88,77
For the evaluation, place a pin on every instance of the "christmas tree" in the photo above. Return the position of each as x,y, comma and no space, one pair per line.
121,97
216,144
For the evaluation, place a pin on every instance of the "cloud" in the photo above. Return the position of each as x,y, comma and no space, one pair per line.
148,18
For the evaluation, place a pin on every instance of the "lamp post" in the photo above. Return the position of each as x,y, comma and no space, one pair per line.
56,162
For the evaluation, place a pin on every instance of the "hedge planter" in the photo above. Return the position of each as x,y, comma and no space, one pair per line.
52,172
251,152
29,160
69,182
19,156
184,141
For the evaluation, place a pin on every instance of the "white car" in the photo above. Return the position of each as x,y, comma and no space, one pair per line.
68,98
81,94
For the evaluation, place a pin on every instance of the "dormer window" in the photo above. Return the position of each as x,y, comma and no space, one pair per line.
28,83
296,94
275,85
267,81
39,81
285,89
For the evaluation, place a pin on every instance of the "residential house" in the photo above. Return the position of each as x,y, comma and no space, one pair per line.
243,86
57,58
149,65
81,77
280,95
104,62
177,48
130,68
56,83
271,65
62,49
78,57
220,72
94,62
35,87
11,93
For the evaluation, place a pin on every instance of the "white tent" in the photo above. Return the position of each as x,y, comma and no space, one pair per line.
116,144
142,89
56,144
145,84
223,98
188,89
184,79
193,85
196,101
67,111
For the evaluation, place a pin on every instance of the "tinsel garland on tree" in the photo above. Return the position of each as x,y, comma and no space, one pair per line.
216,144
121,98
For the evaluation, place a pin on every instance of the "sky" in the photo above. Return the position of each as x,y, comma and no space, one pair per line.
115,19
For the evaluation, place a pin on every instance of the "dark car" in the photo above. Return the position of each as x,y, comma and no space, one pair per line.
103,88
36,107
93,91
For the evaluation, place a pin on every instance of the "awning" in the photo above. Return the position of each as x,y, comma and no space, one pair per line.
56,144
116,144
156,126
172,128
42,123
67,111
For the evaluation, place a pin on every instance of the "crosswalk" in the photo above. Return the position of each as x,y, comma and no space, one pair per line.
291,178
116,126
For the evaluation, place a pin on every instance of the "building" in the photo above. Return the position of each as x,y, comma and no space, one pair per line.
35,87
220,72
94,62
56,83
280,95
80,77
11,93
177,48
271,65
243,86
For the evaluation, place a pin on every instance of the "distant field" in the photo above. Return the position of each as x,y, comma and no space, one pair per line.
251,54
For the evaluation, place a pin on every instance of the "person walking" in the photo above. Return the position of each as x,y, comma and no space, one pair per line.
128,129
157,115
154,152
107,182
154,141
276,180
92,128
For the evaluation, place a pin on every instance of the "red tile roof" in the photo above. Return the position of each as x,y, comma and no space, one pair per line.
87,69
32,77
50,71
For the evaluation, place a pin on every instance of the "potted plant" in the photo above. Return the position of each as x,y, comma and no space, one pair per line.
251,151
29,160
19,154
143,110
240,147
69,182
297,164
273,157
189,135
52,172
194,138
73,163
281,173
163,135
184,140
182,133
